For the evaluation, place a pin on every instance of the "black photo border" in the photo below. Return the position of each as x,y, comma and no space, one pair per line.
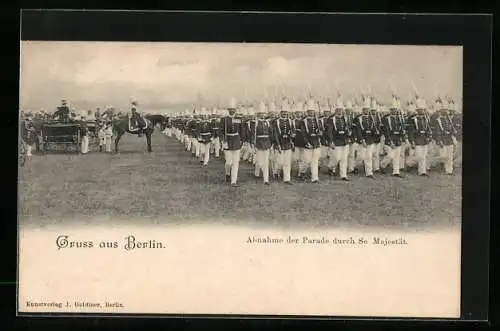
473,32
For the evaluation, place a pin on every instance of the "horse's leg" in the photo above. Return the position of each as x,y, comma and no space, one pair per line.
119,134
148,139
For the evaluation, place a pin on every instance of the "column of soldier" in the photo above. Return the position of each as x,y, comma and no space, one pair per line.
344,134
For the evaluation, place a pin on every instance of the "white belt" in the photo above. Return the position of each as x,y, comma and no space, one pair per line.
263,136
205,134
232,134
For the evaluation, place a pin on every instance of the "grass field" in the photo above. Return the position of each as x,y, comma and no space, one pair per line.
169,186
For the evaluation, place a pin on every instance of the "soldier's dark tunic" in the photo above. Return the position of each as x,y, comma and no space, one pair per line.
312,133
457,124
204,131
443,130
232,132
262,134
283,133
351,126
393,129
338,130
215,124
420,132
366,130
377,123
299,140
322,127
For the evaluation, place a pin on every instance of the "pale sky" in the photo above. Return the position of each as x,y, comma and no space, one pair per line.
163,76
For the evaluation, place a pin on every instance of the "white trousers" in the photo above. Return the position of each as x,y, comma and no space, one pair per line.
232,159
284,162
325,151
187,143
457,154
446,156
311,159
302,159
332,158
377,150
28,149
102,139
216,146
341,157
393,157
421,156
273,161
351,163
366,154
204,152
85,145
107,142
262,163
195,149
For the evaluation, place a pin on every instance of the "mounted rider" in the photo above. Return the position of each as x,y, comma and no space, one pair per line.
137,123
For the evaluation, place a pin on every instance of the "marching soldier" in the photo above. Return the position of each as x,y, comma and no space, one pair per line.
351,123
283,137
299,140
204,137
338,136
189,130
456,118
377,135
366,137
420,134
312,135
233,134
272,115
248,149
406,150
261,136
193,128
326,150
444,135
215,121
394,131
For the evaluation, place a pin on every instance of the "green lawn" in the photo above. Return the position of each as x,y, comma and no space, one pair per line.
169,186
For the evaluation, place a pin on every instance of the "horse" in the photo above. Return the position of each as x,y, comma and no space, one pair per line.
121,125
159,120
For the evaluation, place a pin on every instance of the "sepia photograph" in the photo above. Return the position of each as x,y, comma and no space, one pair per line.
240,178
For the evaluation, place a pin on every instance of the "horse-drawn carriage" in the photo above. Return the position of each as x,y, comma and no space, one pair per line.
61,137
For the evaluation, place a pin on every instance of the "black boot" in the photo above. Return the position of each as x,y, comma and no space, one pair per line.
100,148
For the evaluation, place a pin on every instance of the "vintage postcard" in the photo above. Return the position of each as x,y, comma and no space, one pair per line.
240,179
